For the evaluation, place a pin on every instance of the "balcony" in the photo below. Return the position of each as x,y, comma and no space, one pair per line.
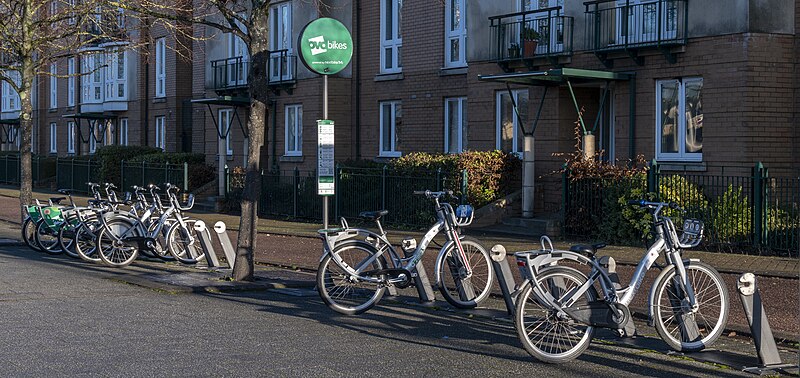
282,68
230,74
542,34
632,25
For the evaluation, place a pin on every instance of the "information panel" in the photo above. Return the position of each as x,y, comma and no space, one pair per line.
326,167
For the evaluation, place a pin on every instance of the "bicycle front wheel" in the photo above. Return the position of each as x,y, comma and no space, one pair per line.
547,335
86,242
459,287
113,251
29,234
47,238
184,243
682,328
343,292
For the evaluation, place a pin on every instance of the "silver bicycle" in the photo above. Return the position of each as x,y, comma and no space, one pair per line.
358,264
558,306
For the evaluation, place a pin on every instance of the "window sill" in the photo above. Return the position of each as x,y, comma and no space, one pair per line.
159,100
448,71
52,110
697,166
389,155
291,159
389,76
227,157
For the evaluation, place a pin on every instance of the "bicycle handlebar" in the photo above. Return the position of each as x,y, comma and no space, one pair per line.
430,194
643,203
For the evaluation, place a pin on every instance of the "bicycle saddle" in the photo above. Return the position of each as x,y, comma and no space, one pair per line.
57,200
589,250
65,192
373,215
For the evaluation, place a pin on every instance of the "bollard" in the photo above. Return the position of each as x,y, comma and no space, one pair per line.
225,241
205,242
767,351
504,278
421,280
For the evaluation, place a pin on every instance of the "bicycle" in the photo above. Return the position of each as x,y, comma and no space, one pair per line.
358,265
559,306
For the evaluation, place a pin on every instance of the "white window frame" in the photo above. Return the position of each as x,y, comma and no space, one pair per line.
92,78
516,147
71,20
71,81
34,137
120,17
393,152
461,104
70,137
53,85
161,63
113,83
297,122
681,155
11,101
395,43
636,31
53,138
225,118
160,135
458,34
280,36
123,132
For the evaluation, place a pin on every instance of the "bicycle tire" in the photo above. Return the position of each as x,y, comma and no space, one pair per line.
111,250
86,242
66,240
561,339
29,234
47,239
669,309
460,290
334,284
182,249
160,249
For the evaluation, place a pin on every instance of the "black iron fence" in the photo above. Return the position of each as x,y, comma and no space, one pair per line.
530,34
75,173
42,169
743,211
618,25
230,73
142,174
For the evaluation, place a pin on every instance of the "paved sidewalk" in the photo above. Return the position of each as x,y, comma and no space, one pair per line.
765,266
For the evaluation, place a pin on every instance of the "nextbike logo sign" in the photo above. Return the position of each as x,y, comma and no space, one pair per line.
319,46
326,46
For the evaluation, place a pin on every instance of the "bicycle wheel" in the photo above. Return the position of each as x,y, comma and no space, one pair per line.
86,242
681,328
47,239
342,292
546,335
66,239
181,246
29,234
160,249
112,250
458,288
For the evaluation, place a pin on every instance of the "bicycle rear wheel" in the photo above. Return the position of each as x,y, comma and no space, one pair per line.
342,292
464,290
545,334
111,248
681,328
181,246
47,238
29,234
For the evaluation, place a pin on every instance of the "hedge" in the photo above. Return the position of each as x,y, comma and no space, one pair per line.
111,157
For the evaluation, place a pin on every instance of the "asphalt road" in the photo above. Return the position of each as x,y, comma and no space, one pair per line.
75,320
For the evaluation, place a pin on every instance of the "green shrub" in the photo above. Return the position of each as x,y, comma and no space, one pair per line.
111,157
170,157
619,222
731,216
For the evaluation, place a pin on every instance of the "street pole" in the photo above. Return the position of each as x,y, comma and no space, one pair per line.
324,116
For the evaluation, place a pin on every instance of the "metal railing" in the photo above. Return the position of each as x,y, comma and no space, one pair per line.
42,168
230,73
282,67
75,173
619,25
744,210
525,35
142,174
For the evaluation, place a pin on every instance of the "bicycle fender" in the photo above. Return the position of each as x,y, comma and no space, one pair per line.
651,306
439,262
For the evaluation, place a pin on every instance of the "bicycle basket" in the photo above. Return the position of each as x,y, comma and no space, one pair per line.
464,215
692,233
189,203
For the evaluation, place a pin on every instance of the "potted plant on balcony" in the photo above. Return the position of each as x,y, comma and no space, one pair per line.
513,51
530,39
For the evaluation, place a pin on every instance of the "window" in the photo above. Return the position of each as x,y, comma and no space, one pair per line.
161,64
91,80
94,137
679,120
455,124
509,135
544,23
237,68
53,138
71,19
71,137
280,36
53,7
120,18
53,86
34,137
225,118
294,130
123,131
71,82
391,41
11,101
116,78
391,121
161,133
455,34
638,20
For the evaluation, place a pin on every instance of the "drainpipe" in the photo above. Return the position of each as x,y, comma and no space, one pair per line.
146,108
358,79
274,105
528,177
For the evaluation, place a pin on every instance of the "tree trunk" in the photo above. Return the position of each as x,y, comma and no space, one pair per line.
26,131
256,124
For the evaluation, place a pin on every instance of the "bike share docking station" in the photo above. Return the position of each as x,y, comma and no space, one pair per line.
208,247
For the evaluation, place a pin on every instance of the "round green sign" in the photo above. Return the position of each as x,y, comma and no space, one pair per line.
326,46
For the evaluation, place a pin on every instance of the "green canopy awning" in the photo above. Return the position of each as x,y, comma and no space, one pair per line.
90,116
558,76
11,121
223,101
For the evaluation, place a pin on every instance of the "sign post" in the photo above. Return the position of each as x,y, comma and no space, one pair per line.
326,48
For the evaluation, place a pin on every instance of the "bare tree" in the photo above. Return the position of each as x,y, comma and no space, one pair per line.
36,33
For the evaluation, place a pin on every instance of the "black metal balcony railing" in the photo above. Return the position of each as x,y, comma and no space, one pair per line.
526,35
230,73
620,25
282,67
